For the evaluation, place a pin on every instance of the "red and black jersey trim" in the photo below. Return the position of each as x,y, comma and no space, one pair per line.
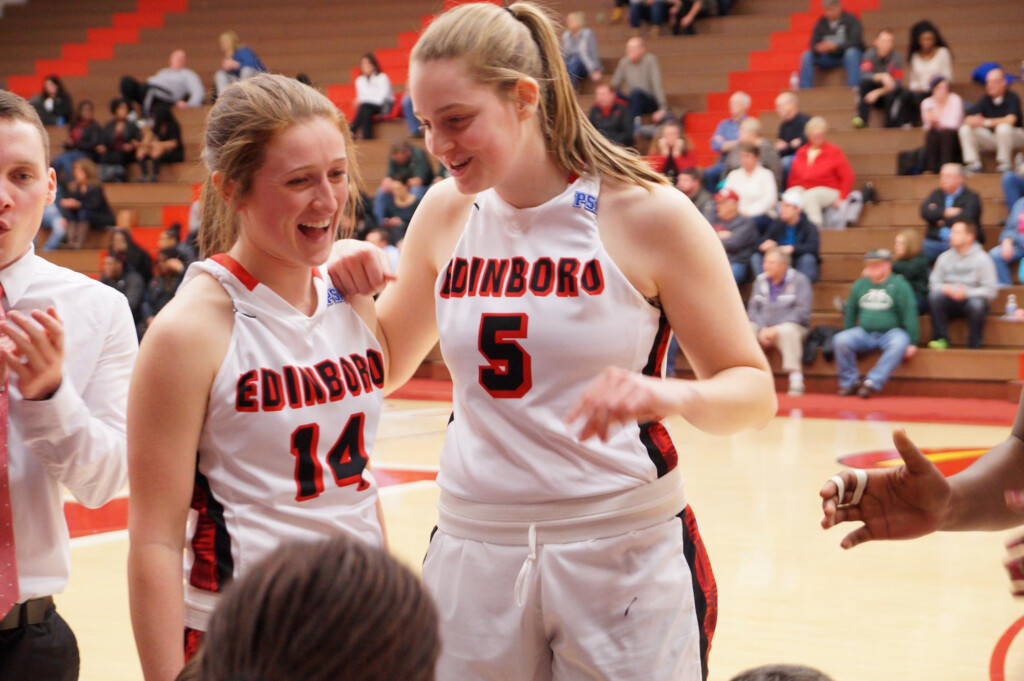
213,566
705,589
656,358
659,446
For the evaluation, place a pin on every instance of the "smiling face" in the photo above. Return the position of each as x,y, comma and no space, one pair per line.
473,130
291,213
26,186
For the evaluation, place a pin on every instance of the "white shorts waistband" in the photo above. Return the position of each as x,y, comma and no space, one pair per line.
561,522
199,606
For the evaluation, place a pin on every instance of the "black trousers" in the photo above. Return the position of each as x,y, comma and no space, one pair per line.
47,651
889,102
943,307
362,124
941,147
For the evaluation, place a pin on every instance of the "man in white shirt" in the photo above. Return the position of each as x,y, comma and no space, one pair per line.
68,347
174,84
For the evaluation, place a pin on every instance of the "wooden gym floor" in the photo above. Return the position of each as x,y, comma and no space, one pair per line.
937,608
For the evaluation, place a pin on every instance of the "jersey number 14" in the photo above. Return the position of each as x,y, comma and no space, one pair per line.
346,459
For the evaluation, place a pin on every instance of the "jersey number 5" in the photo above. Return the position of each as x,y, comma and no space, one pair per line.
508,372
347,458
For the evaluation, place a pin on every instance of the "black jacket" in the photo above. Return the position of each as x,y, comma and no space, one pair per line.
849,25
935,205
807,239
616,126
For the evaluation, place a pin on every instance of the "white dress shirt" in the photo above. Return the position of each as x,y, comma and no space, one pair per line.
757,191
374,90
75,439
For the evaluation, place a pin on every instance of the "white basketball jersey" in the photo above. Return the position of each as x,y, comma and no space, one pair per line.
530,310
291,420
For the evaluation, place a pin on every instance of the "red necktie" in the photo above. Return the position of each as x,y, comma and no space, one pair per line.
8,562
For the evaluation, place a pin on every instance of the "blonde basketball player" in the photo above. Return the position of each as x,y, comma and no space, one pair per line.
255,402
552,265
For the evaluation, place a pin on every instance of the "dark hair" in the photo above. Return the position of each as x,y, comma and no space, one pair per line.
163,114
304,79
116,102
174,231
78,111
971,225
923,26
132,247
168,253
399,145
782,672
382,232
61,92
337,610
372,58
750,148
15,108
693,172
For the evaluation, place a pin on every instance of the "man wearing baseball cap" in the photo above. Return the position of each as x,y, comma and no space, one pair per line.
794,234
881,314
738,233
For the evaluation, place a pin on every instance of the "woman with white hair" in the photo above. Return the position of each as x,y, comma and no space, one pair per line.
820,171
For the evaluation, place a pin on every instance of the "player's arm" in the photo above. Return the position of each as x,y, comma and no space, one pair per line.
167,404
672,254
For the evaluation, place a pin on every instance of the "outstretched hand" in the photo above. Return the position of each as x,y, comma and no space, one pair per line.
618,396
358,268
33,348
901,503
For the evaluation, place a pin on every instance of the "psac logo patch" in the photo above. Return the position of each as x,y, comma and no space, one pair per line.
334,296
587,202
949,461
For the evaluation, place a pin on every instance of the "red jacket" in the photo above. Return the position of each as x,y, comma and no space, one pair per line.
830,169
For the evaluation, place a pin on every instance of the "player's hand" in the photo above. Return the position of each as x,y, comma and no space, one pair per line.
358,268
900,503
618,397
37,357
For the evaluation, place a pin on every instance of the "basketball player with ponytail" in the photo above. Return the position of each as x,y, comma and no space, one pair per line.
254,405
552,266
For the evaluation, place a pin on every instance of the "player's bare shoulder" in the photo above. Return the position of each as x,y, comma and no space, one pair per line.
439,221
646,212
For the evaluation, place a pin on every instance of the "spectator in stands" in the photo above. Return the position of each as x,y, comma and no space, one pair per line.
654,12
53,103
994,122
688,182
881,82
837,40
793,234
780,312
672,151
942,114
791,130
880,314
755,186
637,79
129,283
821,171
682,15
118,143
579,50
170,239
54,221
175,84
399,206
962,284
404,160
374,96
910,262
1013,186
381,238
737,232
750,133
85,205
952,201
928,57
84,133
239,62
135,258
161,143
1010,249
163,286
611,117
389,620
726,136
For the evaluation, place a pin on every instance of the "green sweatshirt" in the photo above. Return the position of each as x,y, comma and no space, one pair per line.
915,271
877,308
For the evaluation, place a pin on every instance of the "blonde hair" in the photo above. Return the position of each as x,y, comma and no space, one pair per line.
233,38
247,117
816,123
502,46
913,241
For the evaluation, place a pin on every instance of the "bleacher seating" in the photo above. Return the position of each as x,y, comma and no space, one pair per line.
756,48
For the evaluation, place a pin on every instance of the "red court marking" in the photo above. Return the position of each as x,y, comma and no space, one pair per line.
424,389
949,461
901,409
997,666
113,516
